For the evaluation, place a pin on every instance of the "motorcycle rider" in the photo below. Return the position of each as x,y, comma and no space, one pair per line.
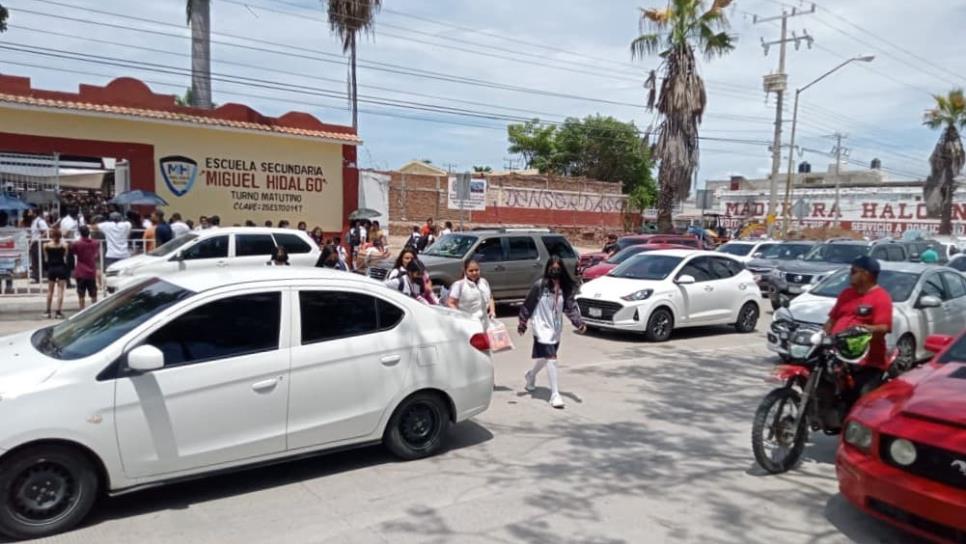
868,305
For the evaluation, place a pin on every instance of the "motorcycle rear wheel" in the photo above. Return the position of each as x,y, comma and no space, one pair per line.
774,428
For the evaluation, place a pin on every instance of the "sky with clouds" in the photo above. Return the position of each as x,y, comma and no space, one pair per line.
498,60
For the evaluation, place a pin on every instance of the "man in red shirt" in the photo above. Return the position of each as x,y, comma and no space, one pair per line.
87,252
865,304
427,228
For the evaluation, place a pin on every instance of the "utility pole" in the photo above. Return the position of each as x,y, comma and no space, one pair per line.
778,83
838,151
450,166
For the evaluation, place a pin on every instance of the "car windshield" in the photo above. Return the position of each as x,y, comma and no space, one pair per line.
173,245
786,252
453,246
739,250
898,284
627,253
647,267
956,353
836,253
102,324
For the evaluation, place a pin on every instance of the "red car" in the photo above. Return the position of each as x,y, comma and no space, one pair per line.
604,267
903,454
588,260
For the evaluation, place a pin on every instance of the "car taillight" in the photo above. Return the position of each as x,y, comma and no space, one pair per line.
480,341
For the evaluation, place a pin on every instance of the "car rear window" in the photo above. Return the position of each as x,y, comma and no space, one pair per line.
292,243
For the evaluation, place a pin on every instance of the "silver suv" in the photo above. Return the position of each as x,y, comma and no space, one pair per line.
511,260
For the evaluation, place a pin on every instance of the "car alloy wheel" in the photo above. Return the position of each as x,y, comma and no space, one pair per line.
747,318
659,325
907,353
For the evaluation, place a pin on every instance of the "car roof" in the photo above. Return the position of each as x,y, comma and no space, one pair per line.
687,253
246,230
652,236
914,268
206,280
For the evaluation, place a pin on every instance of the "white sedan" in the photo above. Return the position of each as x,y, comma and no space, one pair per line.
745,251
231,247
659,291
204,372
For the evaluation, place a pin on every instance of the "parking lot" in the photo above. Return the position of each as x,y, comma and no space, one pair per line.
653,446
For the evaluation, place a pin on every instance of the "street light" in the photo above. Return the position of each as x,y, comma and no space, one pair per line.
791,146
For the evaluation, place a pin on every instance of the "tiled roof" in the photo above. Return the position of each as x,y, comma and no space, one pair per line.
175,116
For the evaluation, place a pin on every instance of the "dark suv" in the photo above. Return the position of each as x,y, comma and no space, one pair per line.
511,260
794,277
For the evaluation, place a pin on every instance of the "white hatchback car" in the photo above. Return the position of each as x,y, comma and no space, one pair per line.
231,247
658,291
201,372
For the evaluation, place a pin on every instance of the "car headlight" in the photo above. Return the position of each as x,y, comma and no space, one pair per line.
858,435
643,294
903,452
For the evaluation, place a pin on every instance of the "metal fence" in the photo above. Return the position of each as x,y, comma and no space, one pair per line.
24,271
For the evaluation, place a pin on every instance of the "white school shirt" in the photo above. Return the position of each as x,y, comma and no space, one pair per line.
473,298
547,318
116,236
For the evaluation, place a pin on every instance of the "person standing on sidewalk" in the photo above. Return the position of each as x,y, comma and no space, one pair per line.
55,253
38,231
86,252
472,295
116,233
549,299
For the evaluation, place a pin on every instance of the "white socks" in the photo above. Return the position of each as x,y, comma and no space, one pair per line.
552,372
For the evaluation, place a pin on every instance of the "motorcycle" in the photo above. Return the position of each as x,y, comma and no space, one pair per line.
819,388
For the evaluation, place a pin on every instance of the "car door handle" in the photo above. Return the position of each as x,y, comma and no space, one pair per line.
266,385
390,360
221,263
708,288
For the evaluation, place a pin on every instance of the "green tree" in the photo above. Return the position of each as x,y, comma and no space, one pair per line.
947,159
535,142
482,169
601,148
3,18
674,33
347,18
199,19
188,99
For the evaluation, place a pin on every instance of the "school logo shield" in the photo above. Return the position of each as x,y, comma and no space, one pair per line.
179,173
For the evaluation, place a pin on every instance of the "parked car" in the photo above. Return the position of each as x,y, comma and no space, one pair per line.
657,291
233,247
791,278
601,269
958,262
915,248
903,455
511,260
926,300
207,371
590,259
745,251
774,256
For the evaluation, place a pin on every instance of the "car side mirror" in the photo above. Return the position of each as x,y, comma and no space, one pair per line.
801,257
929,301
685,279
937,342
758,255
145,358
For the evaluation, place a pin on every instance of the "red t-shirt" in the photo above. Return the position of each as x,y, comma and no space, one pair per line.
844,315
86,251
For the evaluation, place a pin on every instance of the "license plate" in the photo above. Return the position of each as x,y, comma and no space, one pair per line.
595,312
794,289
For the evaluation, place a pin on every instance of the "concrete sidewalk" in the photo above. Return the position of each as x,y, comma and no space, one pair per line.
14,306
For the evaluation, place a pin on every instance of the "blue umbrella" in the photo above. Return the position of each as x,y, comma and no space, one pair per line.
10,202
138,197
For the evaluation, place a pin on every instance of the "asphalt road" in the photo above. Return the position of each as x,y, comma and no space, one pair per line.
653,446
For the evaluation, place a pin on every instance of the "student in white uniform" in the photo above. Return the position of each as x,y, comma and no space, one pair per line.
472,294
549,299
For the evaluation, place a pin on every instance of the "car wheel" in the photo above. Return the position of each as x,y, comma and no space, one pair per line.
45,490
418,427
907,353
747,318
659,325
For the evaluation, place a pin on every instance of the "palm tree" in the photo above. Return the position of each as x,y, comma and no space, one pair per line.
199,18
347,18
3,18
674,33
947,158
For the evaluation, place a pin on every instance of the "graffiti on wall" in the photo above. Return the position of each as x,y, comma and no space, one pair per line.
546,199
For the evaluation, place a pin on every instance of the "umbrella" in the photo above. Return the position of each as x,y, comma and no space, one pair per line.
364,213
10,202
138,198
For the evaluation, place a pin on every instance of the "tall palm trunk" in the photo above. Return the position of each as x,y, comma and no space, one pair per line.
946,164
200,15
355,88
